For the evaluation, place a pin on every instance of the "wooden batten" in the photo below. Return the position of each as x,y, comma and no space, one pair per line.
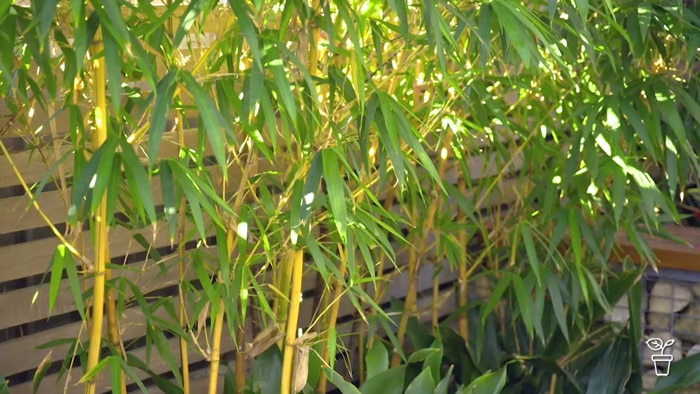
669,253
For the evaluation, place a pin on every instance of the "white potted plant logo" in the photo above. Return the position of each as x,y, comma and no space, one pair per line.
662,362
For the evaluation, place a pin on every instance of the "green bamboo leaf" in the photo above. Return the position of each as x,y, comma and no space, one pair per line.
400,7
183,179
485,23
74,281
88,177
582,6
557,302
112,20
164,96
40,372
531,250
248,29
46,11
619,194
170,208
113,189
211,117
193,10
104,178
57,266
514,30
311,187
139,182
114,70
166,353
336,191
116,372
498,292
575,234
107,361
205,281
49,175
133,377
522,295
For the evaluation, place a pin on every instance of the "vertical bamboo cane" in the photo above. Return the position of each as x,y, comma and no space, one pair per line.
463,274
333,317
297,261
415,257
100,218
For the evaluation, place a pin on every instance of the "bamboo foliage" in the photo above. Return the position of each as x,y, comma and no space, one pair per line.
356,140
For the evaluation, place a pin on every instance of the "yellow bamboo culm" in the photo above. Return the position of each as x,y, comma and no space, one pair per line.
333,317
297,260
100,219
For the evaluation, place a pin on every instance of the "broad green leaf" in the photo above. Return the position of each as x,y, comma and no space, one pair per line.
338,381
444,384
684,373
377,359
422,384
422,354
387,382
490,383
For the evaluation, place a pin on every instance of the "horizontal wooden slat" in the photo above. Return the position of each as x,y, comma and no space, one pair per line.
669,254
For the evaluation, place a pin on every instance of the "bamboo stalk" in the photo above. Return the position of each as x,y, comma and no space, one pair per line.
216,347
333,317
101,237
297,261
182,268
463,275
240,362
415,256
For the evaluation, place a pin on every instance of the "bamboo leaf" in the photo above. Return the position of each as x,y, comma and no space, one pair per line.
164,96
114,70
88,177
211,117
170,208
139,183
336,192
41,371
57,266
532,256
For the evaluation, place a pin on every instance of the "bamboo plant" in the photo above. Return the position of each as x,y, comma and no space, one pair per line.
272,142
